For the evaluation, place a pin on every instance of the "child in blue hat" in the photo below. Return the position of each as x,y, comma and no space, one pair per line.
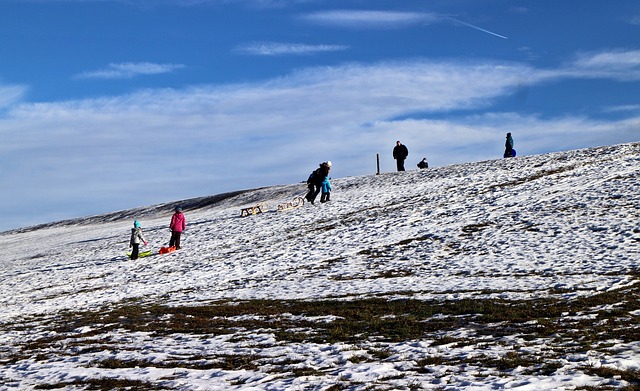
136,239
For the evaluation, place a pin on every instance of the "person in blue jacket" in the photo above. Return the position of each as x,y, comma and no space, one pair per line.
326,190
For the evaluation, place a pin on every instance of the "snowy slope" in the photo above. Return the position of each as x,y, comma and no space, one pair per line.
556,226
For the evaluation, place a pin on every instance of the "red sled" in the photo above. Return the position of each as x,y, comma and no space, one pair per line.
166,250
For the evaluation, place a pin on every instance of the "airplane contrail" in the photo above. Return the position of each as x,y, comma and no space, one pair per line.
476,27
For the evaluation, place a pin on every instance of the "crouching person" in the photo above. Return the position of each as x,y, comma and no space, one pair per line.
314,183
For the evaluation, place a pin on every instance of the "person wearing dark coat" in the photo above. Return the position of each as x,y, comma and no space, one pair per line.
314,183
400,153
423,163
508,146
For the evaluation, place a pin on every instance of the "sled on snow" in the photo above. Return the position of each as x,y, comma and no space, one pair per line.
141,254
295,203
254,210
166,250
262,207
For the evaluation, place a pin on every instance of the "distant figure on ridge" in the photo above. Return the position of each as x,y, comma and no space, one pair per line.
177,226
508,147
400,153
423,163
314,182
136,239
326,190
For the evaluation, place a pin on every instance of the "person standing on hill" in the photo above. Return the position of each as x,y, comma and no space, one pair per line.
508,146
314,182
177,226
400,153
326,190
136,239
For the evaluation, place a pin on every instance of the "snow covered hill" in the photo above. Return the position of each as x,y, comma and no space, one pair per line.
557,234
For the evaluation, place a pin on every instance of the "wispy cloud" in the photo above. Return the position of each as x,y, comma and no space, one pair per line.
370,19
635,20
280,48
619,64
519,10
622,109
129,70
11,94
384,19
183,3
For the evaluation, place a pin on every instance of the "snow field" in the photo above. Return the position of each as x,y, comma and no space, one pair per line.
559,226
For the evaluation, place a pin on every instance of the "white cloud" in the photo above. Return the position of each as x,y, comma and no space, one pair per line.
129,70
519,10
621,65
327,99
622,109
278,48
11,94
384,19
371,19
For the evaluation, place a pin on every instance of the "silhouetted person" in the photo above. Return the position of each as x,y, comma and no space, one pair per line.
508,146
400,153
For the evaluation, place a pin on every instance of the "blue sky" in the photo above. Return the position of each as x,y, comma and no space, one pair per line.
108,105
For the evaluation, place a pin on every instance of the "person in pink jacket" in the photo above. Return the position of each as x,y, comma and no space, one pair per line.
177,226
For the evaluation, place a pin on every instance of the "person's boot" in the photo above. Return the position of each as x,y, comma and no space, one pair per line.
323,198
